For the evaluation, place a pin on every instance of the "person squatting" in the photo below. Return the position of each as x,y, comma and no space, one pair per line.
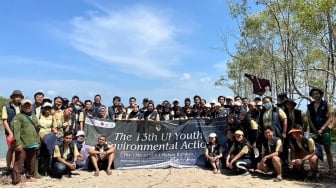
47,136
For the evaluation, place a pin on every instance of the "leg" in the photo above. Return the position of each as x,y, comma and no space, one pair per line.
10,157
313,162
329,157
213,166
60,169
276,161
218,167
110,161
94,161
30,162
20,157
262,166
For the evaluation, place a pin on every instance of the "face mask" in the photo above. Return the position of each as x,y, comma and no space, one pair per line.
267,106
80,140
77,107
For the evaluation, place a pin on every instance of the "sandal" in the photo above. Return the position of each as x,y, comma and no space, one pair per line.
96,174
277,179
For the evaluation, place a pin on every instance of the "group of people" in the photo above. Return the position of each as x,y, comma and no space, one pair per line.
272,137
48,135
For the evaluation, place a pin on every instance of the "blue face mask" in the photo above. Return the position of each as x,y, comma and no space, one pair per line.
267,106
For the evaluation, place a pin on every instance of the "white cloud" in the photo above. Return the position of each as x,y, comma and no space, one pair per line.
186,76
136,40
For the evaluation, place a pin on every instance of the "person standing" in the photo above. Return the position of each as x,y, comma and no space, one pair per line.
8,112
26,142
320,116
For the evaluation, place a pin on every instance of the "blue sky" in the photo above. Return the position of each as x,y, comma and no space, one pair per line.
157,49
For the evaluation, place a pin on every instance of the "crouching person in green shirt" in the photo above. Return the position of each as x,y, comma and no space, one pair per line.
65,157
26,142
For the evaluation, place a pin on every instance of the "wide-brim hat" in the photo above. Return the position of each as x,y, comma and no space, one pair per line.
16,92
239,132
315,89
295,130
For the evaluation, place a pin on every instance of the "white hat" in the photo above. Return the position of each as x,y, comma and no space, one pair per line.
80,133
213,101
229,97
212,135
217,104
47,104
24,101
207,105
237,103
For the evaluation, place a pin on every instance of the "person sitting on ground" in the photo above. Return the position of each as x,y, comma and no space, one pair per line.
83,150
101,157
239,155
65,157
213,153
270,154
304,149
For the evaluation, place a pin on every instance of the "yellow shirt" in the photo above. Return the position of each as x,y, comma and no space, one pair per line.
245,149
278,147
46,124
4,111
57,152
60,123
267,117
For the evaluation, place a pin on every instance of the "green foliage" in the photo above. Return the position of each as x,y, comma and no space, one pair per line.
3,101
286,42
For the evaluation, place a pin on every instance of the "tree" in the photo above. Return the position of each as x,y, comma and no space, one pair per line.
289,42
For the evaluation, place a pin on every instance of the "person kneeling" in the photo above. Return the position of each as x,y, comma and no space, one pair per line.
239,154
271,149
101,157
65,157
303,149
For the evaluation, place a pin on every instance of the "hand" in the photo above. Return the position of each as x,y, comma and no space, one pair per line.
10,136
230,165
284,135
319,132
102,155
72,166
19,148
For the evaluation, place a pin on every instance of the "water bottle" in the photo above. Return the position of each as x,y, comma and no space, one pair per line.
290,158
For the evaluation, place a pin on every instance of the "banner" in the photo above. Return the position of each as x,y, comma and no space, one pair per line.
156,144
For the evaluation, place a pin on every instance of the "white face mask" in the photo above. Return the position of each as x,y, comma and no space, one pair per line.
80,139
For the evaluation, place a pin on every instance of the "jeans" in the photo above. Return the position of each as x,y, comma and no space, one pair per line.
60,168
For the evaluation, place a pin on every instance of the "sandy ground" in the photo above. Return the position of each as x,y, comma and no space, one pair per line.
170,177
179,178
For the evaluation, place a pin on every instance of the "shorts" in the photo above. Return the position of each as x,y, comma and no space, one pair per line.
325,139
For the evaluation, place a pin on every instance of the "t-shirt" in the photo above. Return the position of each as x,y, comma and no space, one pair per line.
278,147
4,111
245,149
267,117
57,152
45,124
